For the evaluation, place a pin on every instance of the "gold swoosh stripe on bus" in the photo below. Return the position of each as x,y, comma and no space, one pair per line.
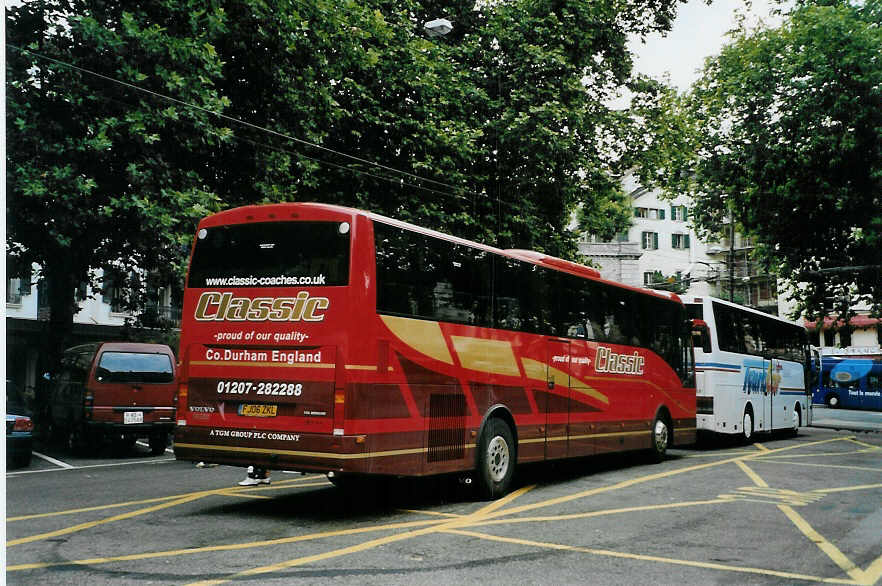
262,364
423,336
537,371
300,453
483,355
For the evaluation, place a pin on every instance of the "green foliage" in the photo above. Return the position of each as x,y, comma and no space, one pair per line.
785,127
99,174
674,283
499,131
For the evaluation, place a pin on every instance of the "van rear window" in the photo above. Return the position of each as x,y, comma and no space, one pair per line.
134,367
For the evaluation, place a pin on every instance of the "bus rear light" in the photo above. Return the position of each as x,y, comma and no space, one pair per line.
181,395
339,399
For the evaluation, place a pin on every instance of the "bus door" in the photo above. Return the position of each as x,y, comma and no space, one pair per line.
773,369
557,404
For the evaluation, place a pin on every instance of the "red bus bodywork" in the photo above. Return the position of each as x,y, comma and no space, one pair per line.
360,392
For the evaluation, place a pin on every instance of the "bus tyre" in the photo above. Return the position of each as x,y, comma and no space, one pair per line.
797,420
496,459
832,400
661,437
747,426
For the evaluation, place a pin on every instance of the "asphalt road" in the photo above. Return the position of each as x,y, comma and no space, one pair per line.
783,510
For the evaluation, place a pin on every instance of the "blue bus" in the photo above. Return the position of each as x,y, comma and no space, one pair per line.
849,382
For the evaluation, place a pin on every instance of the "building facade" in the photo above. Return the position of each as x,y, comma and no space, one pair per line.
662,249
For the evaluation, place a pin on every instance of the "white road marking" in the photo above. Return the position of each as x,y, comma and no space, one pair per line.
154,461
52,460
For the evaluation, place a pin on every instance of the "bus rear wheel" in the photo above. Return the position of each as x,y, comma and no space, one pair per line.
496,459
747,426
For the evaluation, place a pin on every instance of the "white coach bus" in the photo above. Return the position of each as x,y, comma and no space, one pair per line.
752,369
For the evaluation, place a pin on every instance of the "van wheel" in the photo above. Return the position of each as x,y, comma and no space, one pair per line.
832,400
77,441
158,442
496,459
747,426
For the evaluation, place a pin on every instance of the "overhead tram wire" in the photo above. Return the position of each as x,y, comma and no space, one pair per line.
452,188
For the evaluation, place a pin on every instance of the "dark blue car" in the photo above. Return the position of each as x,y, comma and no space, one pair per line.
19,427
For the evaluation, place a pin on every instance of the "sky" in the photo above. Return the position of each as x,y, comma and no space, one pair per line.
699,31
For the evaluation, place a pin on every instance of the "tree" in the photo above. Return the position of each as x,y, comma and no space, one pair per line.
129,120
99,175
785,127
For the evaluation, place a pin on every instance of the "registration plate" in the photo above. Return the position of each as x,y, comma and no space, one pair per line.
258,410
133,417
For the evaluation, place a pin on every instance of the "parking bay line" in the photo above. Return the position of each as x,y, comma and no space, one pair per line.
649,558
463,521
833,552
497,514
52,460
227,547
281,485
132,463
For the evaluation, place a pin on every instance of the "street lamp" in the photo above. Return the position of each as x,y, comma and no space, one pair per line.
438,27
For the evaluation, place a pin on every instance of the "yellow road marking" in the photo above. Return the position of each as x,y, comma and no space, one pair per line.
90,524
649,558
848,488
753,475
213,548
435,513
841,466
761,447
820,455
463,521
602,513
866,445
828,548
648,478
833,552
280,485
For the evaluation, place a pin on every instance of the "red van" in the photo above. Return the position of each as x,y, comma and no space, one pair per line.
115,390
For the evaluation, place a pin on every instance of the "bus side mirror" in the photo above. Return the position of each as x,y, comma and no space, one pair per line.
700,334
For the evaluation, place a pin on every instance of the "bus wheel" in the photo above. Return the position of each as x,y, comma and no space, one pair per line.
496,459
832,400
661,435
797,421
747,426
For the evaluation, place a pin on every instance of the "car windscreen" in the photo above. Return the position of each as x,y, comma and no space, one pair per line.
134,367
271,254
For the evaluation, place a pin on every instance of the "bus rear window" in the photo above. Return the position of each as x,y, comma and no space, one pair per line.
133,367
271,254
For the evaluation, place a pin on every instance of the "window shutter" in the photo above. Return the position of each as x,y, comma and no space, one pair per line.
661,214
685,213
686,241
673,241
655,240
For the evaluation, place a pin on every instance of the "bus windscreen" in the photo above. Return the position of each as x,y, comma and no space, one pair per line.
271,254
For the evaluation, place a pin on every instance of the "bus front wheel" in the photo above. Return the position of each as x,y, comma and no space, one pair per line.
496,459
747,426
832,400
661,437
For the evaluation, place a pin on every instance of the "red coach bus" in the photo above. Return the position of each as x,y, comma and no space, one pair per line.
328,339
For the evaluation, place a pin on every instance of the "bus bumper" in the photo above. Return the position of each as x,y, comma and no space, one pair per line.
279,450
